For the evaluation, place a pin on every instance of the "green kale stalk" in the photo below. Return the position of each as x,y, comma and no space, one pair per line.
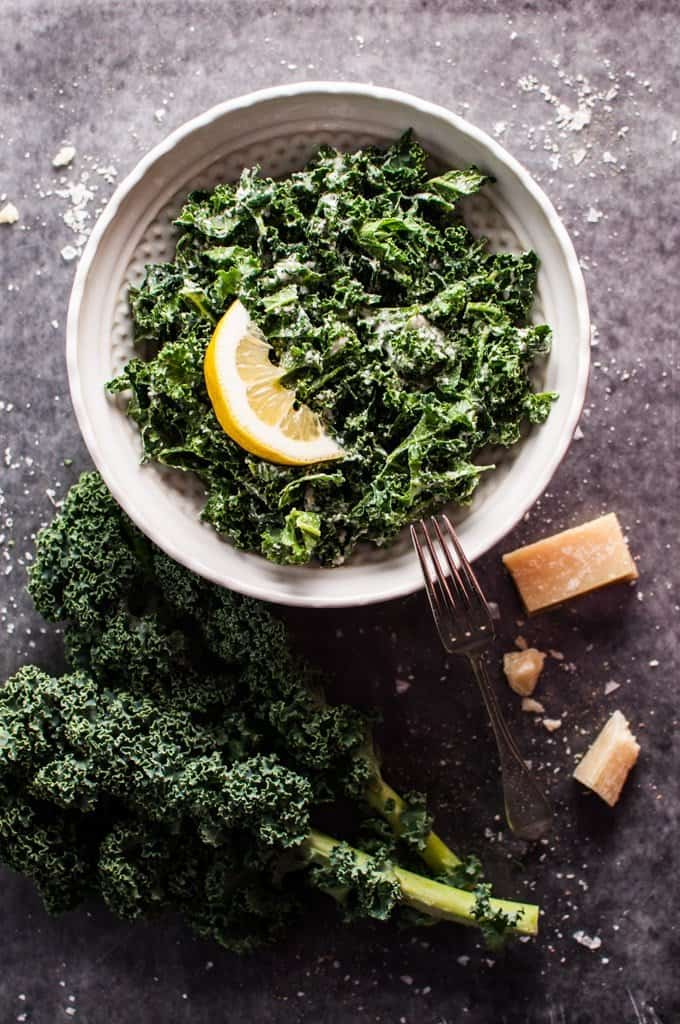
186,759
405,334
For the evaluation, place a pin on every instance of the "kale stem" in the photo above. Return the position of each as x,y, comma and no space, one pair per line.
436,854
439,901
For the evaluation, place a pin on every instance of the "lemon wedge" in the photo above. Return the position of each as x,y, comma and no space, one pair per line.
250,402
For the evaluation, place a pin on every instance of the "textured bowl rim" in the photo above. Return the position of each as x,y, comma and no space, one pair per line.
358,89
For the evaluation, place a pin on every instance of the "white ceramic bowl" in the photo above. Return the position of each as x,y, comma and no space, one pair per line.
280,128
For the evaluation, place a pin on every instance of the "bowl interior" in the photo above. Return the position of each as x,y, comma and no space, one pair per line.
280,133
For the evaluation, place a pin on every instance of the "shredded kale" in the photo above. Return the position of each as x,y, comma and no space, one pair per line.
401,330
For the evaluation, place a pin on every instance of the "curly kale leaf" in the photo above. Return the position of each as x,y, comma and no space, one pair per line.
360,884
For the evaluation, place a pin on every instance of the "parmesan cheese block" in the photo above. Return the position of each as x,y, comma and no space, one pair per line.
571,563
605,766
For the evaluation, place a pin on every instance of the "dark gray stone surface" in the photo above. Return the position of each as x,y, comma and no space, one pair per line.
113,78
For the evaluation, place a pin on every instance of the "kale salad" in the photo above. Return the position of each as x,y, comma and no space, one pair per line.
408,338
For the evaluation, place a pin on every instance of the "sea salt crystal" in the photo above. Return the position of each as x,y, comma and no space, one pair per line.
578,156
594,215
585,940
578,434
608,158
610,686
552,724
401,685
69,253
64,156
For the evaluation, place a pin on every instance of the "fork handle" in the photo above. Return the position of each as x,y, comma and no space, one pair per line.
527,810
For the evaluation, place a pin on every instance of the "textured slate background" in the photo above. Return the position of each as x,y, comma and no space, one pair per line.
113,78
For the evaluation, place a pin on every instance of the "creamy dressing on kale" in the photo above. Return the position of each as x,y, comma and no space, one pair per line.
409,338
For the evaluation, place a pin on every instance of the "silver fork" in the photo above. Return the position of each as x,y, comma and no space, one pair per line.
464,623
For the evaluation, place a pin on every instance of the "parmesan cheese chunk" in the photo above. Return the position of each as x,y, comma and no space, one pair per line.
9,214
571,563
522,669
605,766
534,706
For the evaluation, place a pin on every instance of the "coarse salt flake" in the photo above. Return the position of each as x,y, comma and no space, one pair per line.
64,156
589,942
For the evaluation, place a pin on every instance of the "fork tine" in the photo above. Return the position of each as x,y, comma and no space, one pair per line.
465,565
433,597
442,576
450,562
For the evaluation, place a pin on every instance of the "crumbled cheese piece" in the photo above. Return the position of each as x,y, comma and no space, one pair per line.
64,156
535,706
9,214
552,724
585,940
578,156
571,563
605,766
557,655
522,669
521,643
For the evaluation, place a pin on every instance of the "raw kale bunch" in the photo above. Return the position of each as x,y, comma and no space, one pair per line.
407,336
184,761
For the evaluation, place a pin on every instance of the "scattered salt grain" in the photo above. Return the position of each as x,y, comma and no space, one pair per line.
552,724
159,115
594,215
578,156
407,979
557,655
578,434
610,686
500,127
401,685
653,663
9,214
585,940
68,253
674,136
521,643
463,960
64,156
608,158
